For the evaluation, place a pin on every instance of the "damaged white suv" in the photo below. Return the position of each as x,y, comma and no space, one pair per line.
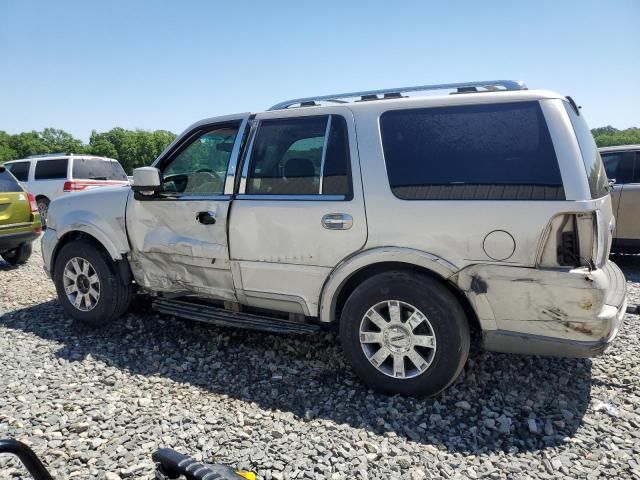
409,220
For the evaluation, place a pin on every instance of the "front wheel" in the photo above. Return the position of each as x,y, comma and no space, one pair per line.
405,333
18,256
89,287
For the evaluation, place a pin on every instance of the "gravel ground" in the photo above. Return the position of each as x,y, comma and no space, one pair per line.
97,404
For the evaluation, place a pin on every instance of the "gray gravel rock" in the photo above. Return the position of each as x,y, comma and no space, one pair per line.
96,404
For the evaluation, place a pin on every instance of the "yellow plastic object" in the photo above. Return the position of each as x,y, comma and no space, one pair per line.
247,475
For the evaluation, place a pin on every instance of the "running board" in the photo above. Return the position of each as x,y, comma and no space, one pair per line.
227,318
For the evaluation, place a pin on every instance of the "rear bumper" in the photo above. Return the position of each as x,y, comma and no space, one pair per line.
529,344
570,313
13,240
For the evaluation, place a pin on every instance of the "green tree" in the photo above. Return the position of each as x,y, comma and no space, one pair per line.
6,152
610,136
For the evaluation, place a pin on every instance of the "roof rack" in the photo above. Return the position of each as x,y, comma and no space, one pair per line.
466,87
55,154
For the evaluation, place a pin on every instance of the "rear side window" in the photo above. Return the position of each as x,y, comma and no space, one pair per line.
94,169
8,183
619,166
471,152
301,156
51,169
590,156
20,170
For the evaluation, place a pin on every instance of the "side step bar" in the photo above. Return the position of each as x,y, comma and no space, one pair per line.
226,318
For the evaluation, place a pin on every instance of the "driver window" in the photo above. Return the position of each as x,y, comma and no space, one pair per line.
201,167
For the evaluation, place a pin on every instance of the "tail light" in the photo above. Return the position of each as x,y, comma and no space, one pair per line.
79,185
574,240
32,203
74,186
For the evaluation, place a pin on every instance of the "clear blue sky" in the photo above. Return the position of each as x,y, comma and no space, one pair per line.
83,65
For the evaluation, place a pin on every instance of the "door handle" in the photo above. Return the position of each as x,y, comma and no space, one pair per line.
206,218
337,221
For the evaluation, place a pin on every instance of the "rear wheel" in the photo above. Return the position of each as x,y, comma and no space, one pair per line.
88,285
43,209
19,255
406,333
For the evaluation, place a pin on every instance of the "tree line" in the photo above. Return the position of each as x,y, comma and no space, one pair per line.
138,148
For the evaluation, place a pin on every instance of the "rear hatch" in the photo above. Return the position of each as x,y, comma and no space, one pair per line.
14,202
95,172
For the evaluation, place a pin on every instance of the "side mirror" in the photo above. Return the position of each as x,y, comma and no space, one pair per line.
146,180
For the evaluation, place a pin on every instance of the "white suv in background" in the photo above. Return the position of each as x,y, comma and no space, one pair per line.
51,175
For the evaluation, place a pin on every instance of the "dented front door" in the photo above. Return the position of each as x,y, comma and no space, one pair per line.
179,237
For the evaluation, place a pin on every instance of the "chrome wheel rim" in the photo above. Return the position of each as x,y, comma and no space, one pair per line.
397,339
81,284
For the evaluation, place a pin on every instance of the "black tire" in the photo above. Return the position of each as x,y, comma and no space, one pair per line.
43,209
445,315
18,256
115,294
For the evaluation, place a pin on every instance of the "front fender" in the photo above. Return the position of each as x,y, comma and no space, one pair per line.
99,213
101,231
341,274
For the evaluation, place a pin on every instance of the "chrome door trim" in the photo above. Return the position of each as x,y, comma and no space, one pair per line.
324,151
247,157
167,197
233,161
319,198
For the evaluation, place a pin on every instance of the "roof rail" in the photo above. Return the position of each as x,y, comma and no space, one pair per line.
489,86
55,154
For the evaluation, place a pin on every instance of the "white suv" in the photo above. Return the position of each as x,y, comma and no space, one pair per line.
48,176
411,221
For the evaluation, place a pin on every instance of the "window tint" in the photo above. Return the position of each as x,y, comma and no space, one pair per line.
471,152
619,166
95,169
201,167
20,170
590,156
294,156
51,169
7,182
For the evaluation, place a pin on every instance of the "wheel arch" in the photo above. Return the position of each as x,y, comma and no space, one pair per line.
346,277
42,197
97,238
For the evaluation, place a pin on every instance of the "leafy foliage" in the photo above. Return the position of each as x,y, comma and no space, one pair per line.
609,136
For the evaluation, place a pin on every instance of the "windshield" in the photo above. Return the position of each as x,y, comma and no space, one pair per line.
96,169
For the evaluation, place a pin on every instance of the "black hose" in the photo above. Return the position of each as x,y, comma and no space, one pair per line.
29,459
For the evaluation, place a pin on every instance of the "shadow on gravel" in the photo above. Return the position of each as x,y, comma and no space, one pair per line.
500,403
630,264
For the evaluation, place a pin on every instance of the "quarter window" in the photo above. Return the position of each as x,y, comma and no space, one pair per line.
51,169
20,170
471,152
300,156
96,169
201,167
619,166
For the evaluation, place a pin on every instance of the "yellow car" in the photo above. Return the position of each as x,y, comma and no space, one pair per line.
19,220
